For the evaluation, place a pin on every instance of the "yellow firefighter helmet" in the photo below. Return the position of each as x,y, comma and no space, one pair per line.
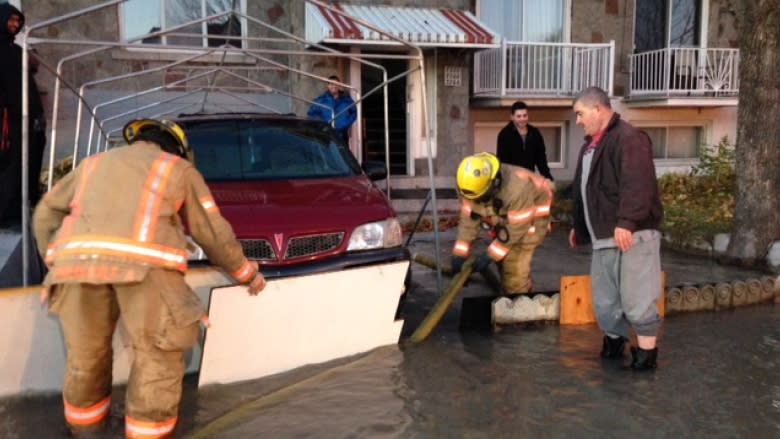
135,127
477,174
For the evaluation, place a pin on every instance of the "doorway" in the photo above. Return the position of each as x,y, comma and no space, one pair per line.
373,115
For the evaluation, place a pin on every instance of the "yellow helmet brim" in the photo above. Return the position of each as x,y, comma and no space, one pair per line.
133,128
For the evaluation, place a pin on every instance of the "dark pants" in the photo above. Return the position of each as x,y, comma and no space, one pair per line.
160,315
11,174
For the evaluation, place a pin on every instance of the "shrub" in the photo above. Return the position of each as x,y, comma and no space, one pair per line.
697,206
700,205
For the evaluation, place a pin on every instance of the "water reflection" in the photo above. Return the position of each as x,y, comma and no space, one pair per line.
717,378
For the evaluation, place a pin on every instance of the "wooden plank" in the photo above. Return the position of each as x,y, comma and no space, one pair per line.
577,302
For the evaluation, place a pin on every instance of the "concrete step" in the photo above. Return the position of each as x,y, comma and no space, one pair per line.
421,182
408,194
409,209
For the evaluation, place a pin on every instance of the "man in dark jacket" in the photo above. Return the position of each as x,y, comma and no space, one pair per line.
618,210
521,144
11,23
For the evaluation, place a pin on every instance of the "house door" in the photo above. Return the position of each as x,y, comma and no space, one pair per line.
374,115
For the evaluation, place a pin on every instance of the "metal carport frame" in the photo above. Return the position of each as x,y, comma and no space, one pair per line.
28,42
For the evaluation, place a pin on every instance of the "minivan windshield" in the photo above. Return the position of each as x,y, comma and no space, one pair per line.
268,149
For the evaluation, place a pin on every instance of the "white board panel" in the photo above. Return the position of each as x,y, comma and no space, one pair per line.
32,352
301,320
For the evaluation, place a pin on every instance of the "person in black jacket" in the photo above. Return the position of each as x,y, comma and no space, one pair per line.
521,144
11,23
617,208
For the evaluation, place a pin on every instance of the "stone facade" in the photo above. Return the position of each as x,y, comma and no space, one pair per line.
591,21
601,21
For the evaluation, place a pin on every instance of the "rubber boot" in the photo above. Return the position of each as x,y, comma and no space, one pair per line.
643,359
613,347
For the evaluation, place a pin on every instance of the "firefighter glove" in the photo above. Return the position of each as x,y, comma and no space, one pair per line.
457,264
482,262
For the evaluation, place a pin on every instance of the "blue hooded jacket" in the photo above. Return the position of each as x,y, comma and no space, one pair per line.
344,119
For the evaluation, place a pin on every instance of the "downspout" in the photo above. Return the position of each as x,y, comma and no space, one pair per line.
611,68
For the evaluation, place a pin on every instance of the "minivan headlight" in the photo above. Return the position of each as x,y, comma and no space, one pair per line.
380,234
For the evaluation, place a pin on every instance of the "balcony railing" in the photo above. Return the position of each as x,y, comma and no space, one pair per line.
684,72
542,70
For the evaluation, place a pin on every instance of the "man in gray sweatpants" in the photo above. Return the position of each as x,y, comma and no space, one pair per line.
618,210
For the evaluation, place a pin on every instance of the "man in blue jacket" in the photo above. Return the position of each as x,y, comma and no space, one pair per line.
335,103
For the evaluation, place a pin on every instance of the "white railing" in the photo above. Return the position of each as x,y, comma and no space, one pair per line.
521,69
675,72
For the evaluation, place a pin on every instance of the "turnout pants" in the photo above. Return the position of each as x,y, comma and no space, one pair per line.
161,315
516,266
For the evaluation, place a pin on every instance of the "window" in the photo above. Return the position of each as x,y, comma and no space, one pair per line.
675,142
667,23
142,17
553,142
273,149
217,149
526,20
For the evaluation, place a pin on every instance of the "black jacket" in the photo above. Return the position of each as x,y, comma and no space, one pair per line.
530,154
11,107
622,188
11,73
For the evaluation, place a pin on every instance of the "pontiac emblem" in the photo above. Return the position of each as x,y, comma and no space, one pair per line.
278,239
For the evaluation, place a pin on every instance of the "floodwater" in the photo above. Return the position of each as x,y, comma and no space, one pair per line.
718,377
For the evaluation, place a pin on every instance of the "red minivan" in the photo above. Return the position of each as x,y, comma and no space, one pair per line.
296,197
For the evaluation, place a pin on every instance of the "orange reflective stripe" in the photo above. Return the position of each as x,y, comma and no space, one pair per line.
153,254
461,248
542,211
152,198
87,416
148,430
465,208
244,273
90,163
49,256
497,251
208,203
520,216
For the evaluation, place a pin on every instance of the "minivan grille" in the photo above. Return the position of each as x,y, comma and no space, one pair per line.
311,245
258,249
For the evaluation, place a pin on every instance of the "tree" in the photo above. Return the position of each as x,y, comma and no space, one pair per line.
757,213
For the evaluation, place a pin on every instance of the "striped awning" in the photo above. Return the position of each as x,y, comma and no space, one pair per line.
431,27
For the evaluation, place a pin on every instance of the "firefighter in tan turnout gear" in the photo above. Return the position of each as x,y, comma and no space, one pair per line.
113,240
513,204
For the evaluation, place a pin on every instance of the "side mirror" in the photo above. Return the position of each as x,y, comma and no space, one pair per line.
374,170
